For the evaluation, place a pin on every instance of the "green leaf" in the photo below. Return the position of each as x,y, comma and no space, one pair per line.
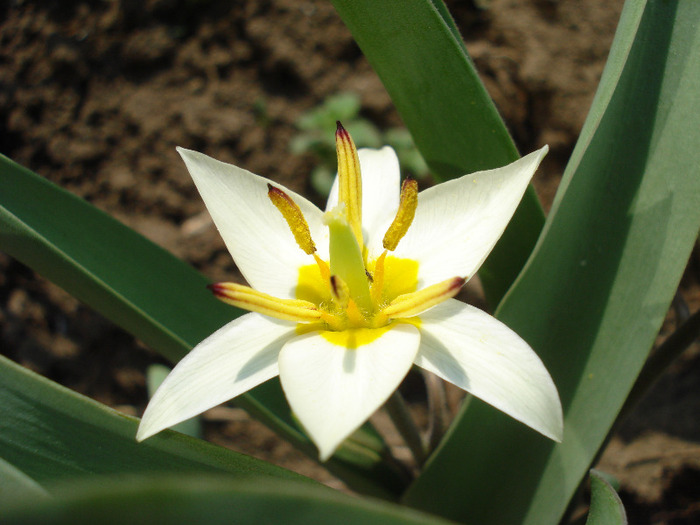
154,296
49,433
606,506
16,484
594,294
206,499
416,50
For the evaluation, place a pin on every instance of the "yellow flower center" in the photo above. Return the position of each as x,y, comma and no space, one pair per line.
353,298
400,277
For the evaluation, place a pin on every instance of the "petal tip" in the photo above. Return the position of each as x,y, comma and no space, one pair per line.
143,433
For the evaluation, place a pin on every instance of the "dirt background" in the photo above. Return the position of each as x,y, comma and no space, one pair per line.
95,95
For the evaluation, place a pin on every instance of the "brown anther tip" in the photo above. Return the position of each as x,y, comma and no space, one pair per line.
459,282
215,288
340,130
334,284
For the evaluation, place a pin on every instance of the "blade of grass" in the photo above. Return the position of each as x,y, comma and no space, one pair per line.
606,506
49,433
208,499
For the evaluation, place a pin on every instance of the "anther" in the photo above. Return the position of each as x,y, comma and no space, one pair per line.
411,304
340,290
294,217
349,180
262,303
404,216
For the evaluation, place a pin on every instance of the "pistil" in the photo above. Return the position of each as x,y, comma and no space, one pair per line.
346,258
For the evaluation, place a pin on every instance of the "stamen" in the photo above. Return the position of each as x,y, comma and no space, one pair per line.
349,180
262,303
323,268
294,217
355,317
378,279
411,304
404,216
340,290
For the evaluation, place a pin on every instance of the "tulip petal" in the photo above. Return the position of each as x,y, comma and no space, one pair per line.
231,361
333,389
381,188
458,222
254,230
481,355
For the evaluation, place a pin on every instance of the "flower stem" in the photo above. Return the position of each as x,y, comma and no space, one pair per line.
437,408
401,417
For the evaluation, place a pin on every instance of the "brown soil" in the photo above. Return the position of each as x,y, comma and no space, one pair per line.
95,96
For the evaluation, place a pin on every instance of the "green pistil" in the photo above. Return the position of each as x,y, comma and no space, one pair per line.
346,259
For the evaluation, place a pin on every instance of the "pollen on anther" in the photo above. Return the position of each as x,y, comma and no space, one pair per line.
349,180
404,215
294,217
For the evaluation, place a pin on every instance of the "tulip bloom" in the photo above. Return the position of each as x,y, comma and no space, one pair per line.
344,302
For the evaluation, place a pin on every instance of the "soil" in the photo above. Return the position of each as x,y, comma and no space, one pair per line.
95,96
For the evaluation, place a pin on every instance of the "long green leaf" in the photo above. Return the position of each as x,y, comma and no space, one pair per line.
16,484
153,295
606,506
594,294
415,49
211,500
49,433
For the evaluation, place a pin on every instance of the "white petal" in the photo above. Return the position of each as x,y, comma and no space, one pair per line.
333,389
381,189
231,361
481,355
254,230
458,222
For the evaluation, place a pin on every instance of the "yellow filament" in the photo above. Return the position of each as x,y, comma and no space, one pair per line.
245,297
411,304
355,317
294,217
349,181
378,279
404,216
323,268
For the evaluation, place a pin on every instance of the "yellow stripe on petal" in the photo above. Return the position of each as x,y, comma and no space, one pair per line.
354,338
294,217
262,303
349,181
415,303
404,216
